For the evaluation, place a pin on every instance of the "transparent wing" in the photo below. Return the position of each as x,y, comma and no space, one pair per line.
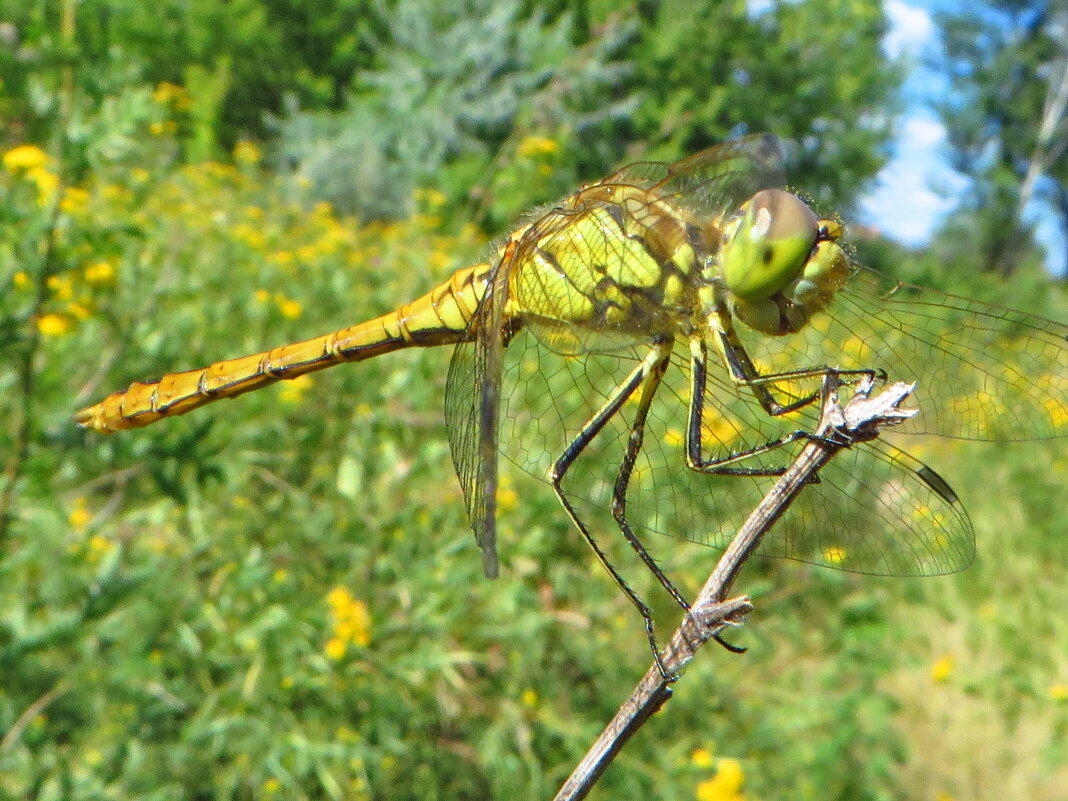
716,182
983,372
875,510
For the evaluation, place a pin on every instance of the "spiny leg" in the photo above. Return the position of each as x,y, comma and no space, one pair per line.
653,364
745,373
651,383
695,459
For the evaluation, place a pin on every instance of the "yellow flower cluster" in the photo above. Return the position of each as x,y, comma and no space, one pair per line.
291,309
431,198
169,94
726,785
536,146
99,273
24,158
32,164
80,515
293,392
246,152
351,622
941,669
54,325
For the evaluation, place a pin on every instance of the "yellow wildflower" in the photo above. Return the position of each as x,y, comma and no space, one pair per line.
161,128
291,309
139,175
941,669
271,785
507,499
431,197
53,325
730,774
1058,692
61,287
529,698
79,516
533,146
24,157
282,258
169,94
293,391
701,758
725,785
21,280
74,200
261,295
98,546
307,253
280,575
247,152
47,183
78,311
352,622
335,648
339,597
100,273
357,623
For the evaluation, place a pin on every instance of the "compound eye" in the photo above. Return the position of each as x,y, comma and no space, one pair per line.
768,249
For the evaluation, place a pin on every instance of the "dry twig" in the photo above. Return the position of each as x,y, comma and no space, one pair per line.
840,427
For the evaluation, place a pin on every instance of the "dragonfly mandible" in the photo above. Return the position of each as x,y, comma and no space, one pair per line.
582,352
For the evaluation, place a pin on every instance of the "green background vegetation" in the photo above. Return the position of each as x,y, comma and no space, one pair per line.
279,597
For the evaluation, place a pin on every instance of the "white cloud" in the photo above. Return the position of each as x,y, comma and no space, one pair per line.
917,187
921,132
911,28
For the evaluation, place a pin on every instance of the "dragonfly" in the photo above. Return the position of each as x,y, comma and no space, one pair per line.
652,346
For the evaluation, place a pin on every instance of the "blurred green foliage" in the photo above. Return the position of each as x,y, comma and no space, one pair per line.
1005,120
279,597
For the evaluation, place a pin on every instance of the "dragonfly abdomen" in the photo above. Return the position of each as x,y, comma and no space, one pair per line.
439,317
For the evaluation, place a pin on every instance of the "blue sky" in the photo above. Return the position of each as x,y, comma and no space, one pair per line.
918,188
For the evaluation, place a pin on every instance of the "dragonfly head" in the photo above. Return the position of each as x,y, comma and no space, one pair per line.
780,262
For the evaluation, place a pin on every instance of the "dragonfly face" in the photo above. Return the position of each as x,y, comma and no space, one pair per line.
780,263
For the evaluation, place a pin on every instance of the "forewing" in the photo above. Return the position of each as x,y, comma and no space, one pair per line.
983,372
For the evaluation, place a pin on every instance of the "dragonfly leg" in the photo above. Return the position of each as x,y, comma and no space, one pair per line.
645,377
745,373
695,459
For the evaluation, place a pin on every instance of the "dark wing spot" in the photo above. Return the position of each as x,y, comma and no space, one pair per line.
938,484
